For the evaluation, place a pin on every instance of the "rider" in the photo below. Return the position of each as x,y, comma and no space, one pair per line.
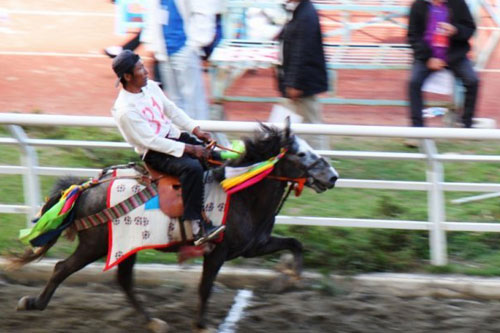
147,120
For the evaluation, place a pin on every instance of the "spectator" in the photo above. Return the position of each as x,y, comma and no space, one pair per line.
148,120
178,32
439,33
302,74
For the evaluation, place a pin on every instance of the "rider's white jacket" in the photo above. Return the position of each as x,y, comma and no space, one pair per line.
148,120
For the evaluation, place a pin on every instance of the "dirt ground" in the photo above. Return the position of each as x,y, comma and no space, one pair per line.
312,307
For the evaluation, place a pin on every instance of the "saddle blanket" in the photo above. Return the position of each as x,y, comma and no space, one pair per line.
147,227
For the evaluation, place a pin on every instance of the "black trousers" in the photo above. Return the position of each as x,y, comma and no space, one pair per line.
462,70
190,173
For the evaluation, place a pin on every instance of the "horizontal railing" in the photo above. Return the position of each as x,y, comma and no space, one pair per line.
434,185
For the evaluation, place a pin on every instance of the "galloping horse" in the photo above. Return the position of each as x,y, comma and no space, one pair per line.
249,223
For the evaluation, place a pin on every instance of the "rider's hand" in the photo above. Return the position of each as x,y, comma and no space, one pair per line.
202,135
435,64
447,28
197,151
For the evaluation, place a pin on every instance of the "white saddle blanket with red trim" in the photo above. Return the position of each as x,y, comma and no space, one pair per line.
146,226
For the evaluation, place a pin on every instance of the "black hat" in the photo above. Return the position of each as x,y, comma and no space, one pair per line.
124,63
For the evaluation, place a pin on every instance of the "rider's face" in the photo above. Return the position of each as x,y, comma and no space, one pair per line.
140,75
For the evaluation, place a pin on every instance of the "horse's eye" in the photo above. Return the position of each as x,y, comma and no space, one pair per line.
301,154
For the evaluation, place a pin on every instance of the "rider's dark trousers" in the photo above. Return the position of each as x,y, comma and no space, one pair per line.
463,70
190,173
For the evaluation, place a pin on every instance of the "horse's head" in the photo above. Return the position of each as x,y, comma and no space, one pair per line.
301,161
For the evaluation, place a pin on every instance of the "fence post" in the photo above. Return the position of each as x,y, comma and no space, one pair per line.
346,22
436,205
29,160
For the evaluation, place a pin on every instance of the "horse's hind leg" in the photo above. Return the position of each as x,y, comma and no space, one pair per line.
82,256
126,281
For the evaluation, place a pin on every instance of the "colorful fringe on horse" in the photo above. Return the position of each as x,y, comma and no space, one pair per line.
50,224
247,176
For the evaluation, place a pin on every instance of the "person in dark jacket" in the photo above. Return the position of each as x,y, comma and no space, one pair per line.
302,74
439,33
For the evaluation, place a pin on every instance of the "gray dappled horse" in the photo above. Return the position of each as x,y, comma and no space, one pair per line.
249,224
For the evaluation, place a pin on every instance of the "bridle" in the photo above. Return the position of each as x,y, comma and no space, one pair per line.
313,164
296,183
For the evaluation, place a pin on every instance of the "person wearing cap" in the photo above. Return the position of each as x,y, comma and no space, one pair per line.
151,123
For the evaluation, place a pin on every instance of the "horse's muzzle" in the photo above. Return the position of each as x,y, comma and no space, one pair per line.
322,186
332,181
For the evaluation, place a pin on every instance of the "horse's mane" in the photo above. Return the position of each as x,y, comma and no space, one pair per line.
265,144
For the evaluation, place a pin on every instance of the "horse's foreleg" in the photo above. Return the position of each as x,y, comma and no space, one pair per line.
79,259
275,244
125,279
211,266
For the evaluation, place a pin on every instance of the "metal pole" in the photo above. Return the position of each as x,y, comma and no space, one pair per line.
346,17
476,198
435,205
29,159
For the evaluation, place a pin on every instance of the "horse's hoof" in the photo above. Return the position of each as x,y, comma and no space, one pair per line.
285,282
22,304
158,326
201,327
204,330
287,265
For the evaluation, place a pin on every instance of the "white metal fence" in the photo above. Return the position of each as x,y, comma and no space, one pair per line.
434,185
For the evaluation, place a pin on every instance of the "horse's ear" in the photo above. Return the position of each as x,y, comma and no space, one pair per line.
287,127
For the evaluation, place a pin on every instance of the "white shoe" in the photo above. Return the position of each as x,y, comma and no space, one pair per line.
113,51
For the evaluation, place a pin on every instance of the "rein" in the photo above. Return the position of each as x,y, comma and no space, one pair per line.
212,145
296,184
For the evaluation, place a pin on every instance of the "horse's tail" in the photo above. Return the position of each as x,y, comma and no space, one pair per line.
16,261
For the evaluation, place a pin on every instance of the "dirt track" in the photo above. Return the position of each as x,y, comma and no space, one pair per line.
310,308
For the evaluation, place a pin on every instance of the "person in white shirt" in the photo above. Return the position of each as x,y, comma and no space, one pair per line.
148,121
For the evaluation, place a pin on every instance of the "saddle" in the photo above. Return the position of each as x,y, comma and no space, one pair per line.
169,192
170,202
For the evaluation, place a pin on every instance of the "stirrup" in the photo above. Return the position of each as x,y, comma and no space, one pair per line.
210,236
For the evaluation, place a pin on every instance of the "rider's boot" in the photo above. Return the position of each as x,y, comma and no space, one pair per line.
207,232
